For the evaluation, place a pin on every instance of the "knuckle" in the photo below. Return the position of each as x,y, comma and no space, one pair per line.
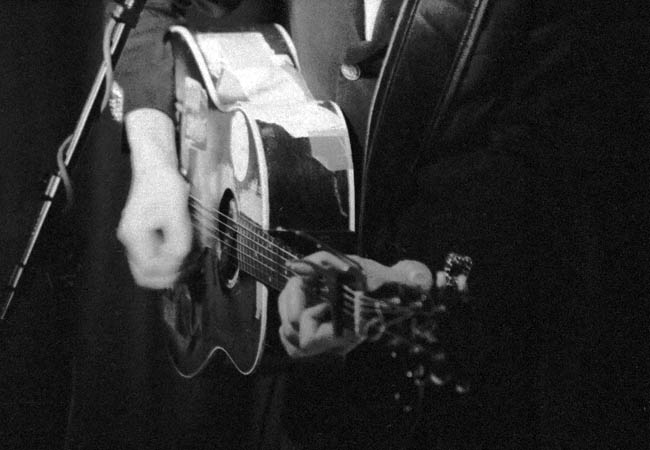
292,288
305,341
318,257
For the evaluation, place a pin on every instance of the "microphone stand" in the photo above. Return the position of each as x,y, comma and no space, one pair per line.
126,15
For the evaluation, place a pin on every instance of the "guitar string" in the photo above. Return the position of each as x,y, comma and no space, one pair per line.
256,256
255,265
374,302
243,249
370,300
367,302
237,227
387,325
252,227
351,298
278,268
348,307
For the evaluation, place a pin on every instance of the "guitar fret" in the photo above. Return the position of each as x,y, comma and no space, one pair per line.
257,255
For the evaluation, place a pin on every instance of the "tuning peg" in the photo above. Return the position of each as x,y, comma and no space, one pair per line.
417,373
436,380
456,264
427,334
438,357
396,341
416,349
374,329
462,387
439,309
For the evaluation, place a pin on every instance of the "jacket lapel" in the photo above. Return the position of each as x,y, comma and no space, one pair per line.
414,78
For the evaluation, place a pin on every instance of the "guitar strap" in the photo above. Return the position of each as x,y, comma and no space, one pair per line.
411,98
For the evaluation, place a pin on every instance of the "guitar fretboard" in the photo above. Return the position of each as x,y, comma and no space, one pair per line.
261,255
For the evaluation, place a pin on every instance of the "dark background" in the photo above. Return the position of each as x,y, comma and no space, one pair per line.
79,329
48,54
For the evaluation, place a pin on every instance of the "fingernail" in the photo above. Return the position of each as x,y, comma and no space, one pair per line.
292,263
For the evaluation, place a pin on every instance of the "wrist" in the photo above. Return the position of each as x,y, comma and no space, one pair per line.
150,133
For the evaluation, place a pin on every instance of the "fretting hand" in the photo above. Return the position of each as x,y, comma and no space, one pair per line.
306,327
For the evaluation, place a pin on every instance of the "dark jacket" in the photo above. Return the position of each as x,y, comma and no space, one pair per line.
528,158
501,130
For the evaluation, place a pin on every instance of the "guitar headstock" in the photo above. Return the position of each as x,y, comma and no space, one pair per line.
408,312
417,327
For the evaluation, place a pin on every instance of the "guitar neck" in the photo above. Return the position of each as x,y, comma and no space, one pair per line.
262,256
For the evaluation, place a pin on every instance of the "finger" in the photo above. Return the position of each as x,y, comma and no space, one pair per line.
149,280
316,335
414,274
316,263
289,341
321,340
150,267
408,273
302,268
291,302
176,228
140,245
443,281
328,261
461,283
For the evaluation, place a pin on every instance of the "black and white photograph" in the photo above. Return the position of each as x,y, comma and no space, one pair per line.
324,224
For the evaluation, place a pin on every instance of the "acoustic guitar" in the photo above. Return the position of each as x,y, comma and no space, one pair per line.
268,166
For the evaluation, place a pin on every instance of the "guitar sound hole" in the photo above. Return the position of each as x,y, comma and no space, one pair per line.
227,246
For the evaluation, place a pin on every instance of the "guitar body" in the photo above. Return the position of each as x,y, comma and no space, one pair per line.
257,161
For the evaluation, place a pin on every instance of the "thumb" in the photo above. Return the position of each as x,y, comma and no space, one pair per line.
409,273
413,274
